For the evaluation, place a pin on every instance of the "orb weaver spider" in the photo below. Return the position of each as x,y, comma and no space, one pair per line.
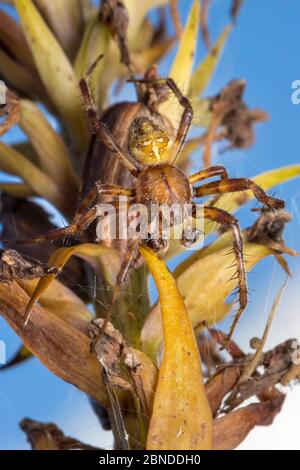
151,160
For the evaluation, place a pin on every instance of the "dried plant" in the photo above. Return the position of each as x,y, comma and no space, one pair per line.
147,354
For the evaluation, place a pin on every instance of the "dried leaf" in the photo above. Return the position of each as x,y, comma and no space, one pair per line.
272,367
95,43
27,150
11,113
17,56
62,302
147,375
15,163
137,11
17,189
139,37
67,13
21,219
113,353
232,348
58,260
55,70
47,436
283,263
230,430
12,37
130,378
151,55
220,385
292,374
53,155
233,118
188,425
14,267
114,15
63,349
270,371
19,78
204,72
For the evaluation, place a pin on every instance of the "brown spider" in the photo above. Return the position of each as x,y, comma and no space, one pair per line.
151,160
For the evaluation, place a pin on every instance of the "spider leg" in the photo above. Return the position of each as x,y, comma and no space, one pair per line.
87,201
84,215
100,189
80,224
122,278
185,121
101,131
209,172
229,221
231,185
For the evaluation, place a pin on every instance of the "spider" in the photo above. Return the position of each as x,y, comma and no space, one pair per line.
151,159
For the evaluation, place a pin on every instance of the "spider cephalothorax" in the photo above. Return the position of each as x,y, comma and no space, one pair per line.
149,143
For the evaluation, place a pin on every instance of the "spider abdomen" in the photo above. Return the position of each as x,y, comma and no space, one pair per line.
163,184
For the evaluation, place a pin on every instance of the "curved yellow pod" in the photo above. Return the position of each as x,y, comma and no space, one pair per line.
181,417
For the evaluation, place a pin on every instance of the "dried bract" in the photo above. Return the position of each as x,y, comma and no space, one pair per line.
112,352
13,267
47,436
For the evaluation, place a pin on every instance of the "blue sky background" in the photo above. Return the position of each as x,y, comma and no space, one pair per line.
263,49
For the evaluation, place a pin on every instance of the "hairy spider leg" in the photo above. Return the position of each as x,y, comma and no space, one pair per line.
77,226
210,172
231,185
185,121
101,131
81,222
84,215
122,277
103,190
228,221
224,186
